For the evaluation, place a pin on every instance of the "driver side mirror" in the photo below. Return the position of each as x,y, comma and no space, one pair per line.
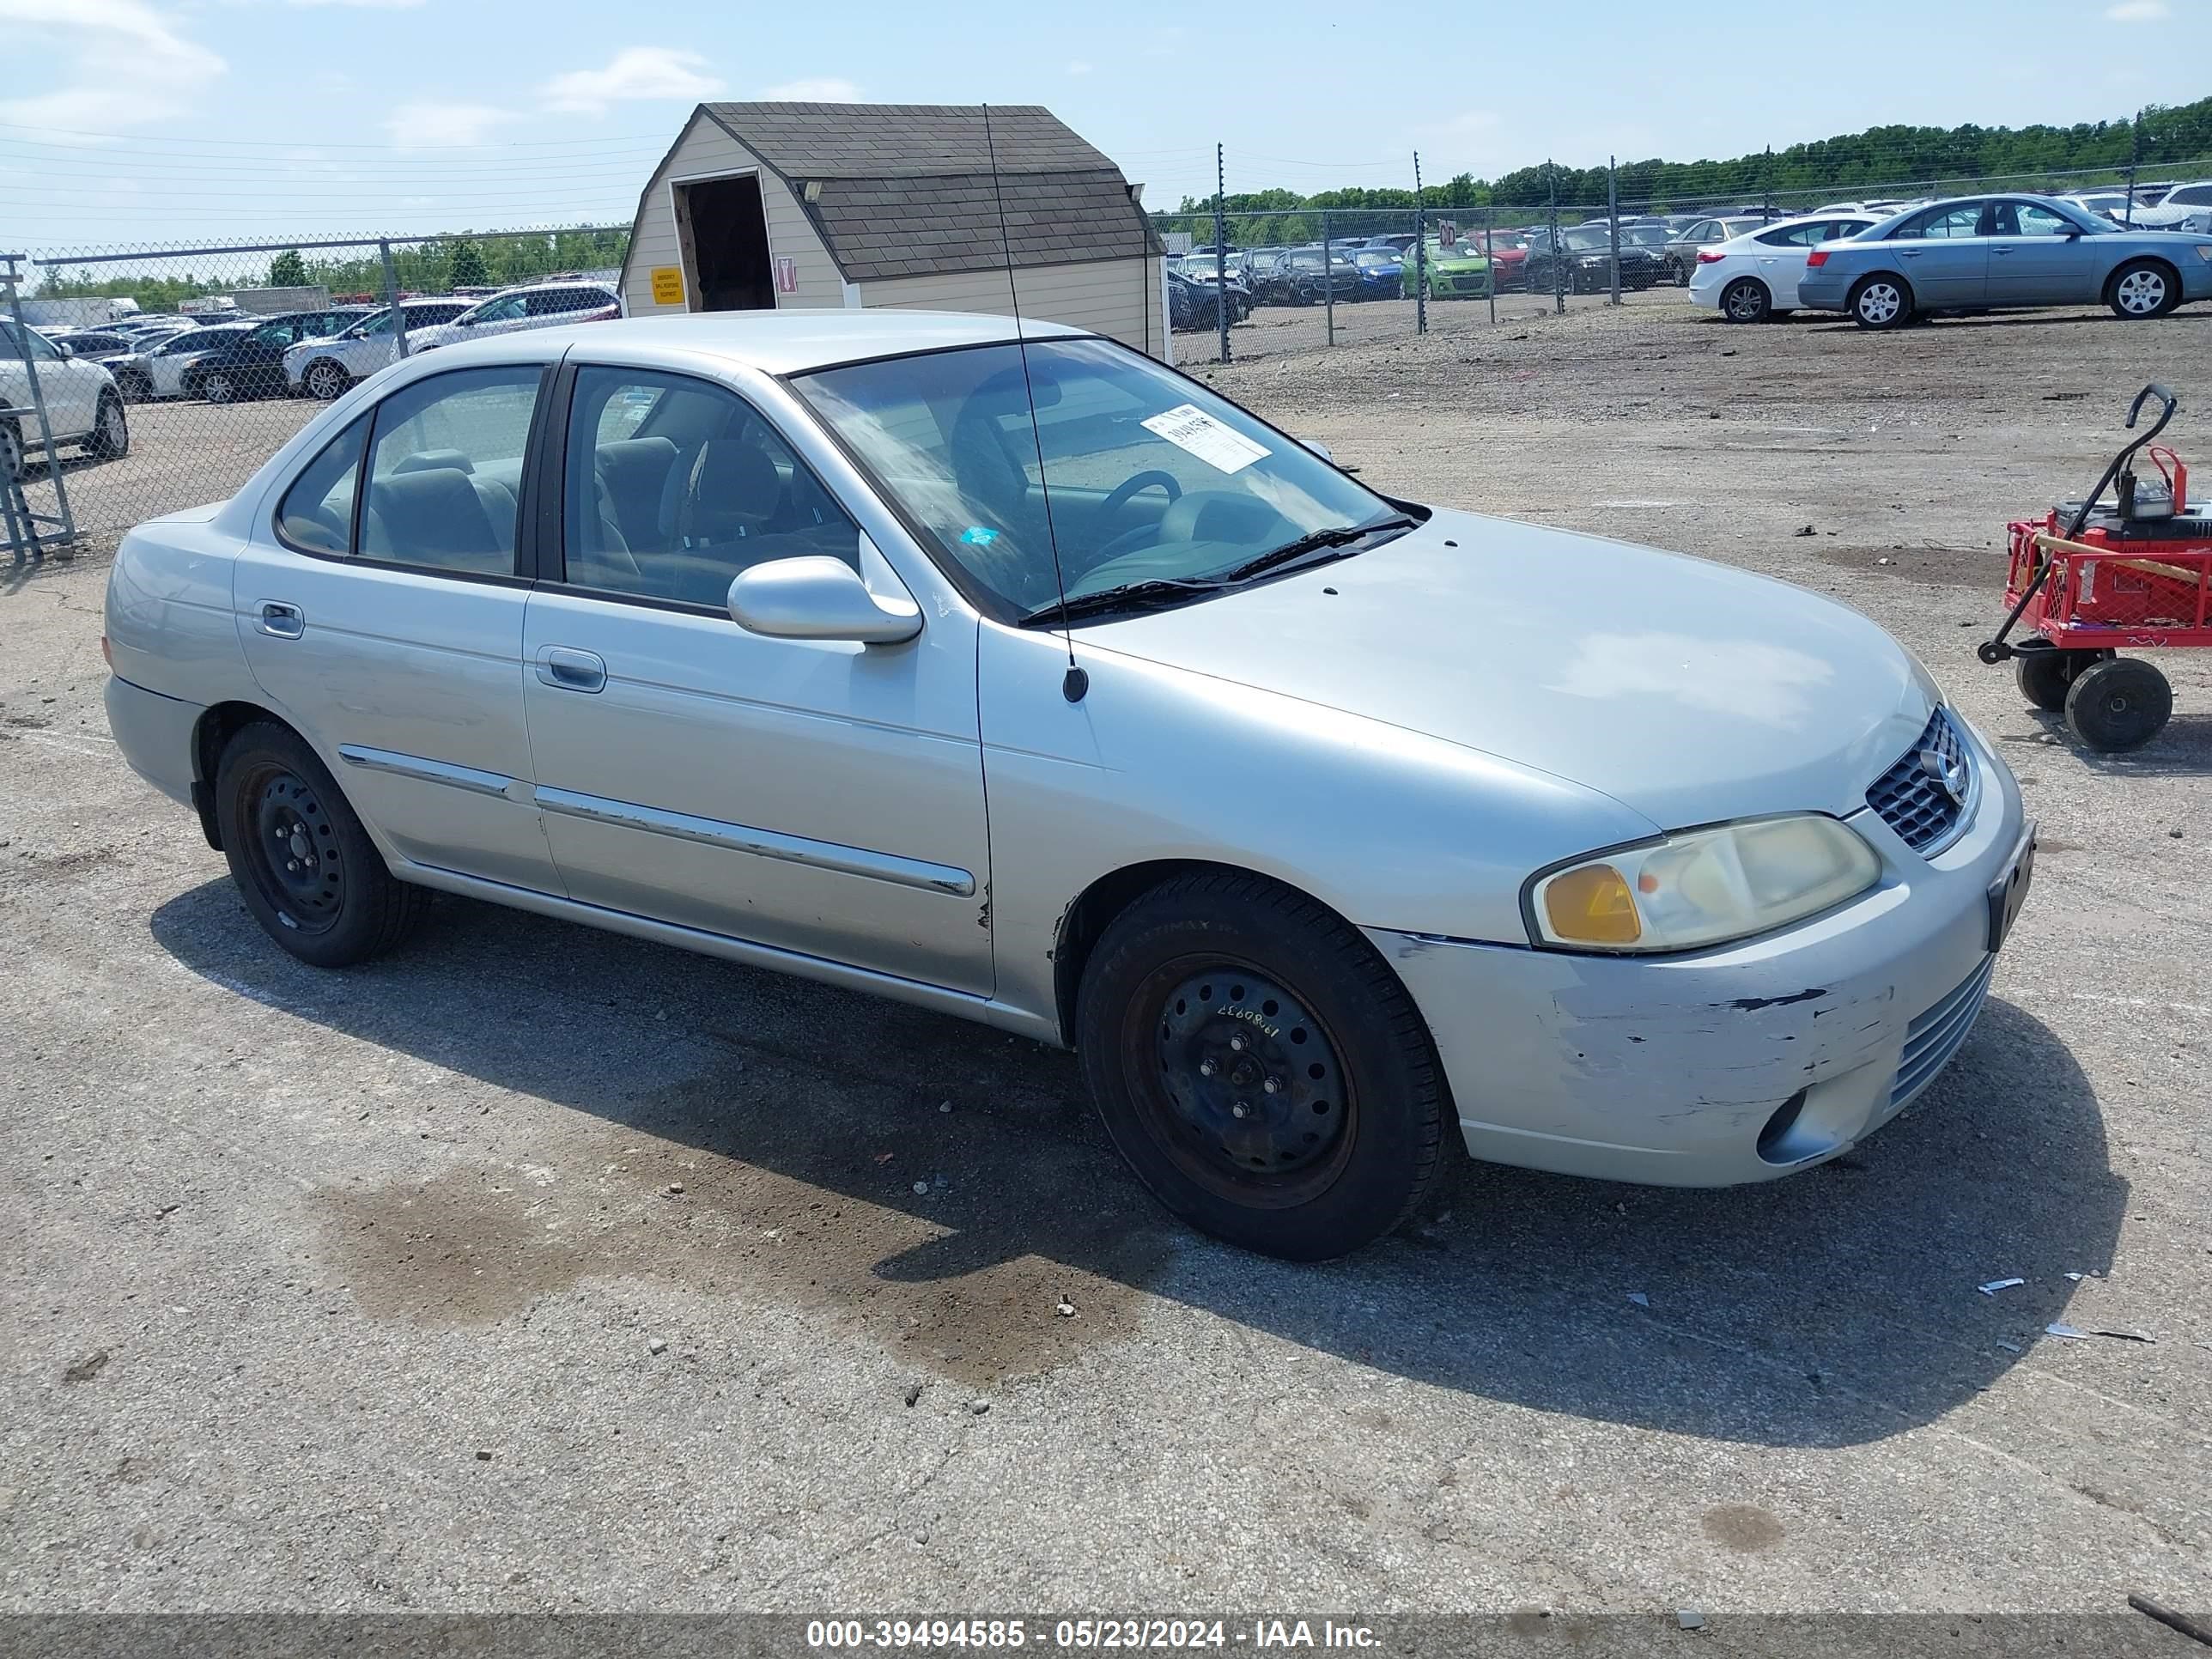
818,597
63,348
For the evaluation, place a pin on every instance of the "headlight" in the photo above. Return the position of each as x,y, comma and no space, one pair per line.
1702,887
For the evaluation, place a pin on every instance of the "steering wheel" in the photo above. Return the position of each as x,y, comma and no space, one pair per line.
1122,495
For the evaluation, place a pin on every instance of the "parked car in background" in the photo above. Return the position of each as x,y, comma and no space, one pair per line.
1193,304
2185,207
82,406
540,305
325,368
1979,252
96,345
1453,270
2113,204
1303,281
1752,278
1310,898
1508,252
1207,273
1395,241
1680,255
157,371
1583,262
250,363
1380,274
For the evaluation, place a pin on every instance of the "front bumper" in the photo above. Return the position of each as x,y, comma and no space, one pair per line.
1718,1067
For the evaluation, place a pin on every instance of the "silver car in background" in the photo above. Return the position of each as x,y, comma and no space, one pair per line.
1982,253
1038,684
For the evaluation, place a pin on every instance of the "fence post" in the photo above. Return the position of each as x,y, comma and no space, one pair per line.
1220,255
1559,253
1420,252
391,298
1490,253
1613,214
2135,162
1327,280
68,538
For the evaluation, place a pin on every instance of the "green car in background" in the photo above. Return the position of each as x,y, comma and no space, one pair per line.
1456,270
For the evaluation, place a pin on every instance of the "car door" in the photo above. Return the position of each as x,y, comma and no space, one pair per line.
821,797
2039,257
69,389
386,620
1944,255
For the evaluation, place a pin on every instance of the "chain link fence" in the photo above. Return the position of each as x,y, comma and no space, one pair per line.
136,382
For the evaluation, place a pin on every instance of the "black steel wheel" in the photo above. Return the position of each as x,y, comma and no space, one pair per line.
299,855
1261,1066
2045,673
2119,705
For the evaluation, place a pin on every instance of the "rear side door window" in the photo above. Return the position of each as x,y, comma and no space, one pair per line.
445,471
316,515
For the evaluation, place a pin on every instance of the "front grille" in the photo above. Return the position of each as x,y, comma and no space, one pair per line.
1913,800
1932,1039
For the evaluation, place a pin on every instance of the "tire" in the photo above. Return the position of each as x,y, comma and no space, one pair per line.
11,452
338,903
325,381
1882,301
1746,301
110,432
2119,705
2045,676
1302,1023
2144,288
135,388
218,386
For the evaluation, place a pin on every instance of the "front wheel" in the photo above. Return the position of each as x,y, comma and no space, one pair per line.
1260,1067
326,380
2119,705
2143,287
301,860
135,388
217,387
1882,302
1746,301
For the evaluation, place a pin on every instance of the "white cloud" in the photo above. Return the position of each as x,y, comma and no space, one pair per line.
445,126
2139,11
820,89
1078,67
129,64
634,73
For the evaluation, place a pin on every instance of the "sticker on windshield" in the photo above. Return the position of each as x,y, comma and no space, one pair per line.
1190,427
976,536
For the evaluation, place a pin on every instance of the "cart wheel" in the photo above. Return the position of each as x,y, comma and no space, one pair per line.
2045,672
2119,705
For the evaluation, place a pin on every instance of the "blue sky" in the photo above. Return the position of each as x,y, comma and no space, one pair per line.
168,121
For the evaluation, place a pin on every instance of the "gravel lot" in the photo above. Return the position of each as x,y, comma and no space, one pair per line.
540,1269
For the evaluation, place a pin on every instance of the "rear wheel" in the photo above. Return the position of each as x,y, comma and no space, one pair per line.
1260,1067
1880,303
302,862
1746,301
135,388
2143,287
2119,705
11,452
111,435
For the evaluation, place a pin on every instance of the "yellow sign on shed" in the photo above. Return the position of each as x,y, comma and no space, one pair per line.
667,285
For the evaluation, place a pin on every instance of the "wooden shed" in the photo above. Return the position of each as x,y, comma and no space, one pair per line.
893,204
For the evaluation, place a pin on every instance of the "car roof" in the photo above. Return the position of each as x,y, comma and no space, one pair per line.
772,342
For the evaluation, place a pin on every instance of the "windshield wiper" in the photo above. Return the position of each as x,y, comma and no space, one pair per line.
1341,535
1128,596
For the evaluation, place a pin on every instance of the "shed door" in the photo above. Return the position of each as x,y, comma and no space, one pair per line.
722,225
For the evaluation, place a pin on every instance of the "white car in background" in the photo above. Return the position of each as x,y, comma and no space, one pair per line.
541,305
2185,207
325,368
1755,277
82,406
158,371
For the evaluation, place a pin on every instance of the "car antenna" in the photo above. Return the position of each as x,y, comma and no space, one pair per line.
1075,682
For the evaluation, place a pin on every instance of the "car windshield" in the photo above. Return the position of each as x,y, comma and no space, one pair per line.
1151,478
1587,241
1644,235
1375,256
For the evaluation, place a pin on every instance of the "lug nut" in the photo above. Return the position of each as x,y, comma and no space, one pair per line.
1237,1043
1240,1110
1206,1068
1273,1085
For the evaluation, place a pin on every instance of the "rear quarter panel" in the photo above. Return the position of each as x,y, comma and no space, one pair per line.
170,625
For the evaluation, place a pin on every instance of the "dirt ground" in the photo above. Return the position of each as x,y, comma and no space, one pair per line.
535,1268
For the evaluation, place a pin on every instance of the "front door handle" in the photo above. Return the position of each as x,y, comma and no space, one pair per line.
2000,250
1910,252
281,621
568,668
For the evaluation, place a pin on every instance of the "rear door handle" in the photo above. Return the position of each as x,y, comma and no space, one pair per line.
568,668
281,621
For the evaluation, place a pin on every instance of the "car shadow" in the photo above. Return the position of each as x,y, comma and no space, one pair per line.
1829,1310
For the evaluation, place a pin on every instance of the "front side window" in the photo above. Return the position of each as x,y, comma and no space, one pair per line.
496,311
444,476
674,486
1944,224
274,334
317,511
1145,476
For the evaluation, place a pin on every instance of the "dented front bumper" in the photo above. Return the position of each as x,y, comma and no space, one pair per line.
1730,1066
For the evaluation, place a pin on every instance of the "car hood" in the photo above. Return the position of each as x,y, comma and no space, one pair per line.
1689,691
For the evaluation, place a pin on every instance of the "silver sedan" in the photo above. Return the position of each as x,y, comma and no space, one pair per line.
1981,253
1044,687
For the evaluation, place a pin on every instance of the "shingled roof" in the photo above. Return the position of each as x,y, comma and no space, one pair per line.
906,190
